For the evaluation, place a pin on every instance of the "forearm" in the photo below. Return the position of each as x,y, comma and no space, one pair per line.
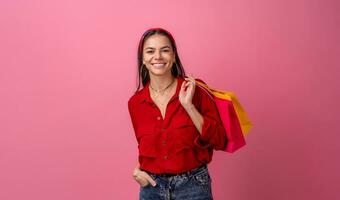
211,131
195,116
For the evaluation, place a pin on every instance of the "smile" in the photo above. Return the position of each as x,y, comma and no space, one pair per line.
159,64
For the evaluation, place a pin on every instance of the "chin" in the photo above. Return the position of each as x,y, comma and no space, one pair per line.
160,72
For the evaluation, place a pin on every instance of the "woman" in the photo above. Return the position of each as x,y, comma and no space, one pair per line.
176,124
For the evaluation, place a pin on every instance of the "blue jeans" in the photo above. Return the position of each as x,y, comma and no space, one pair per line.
194,185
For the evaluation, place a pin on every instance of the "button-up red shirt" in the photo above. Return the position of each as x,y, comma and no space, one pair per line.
174,144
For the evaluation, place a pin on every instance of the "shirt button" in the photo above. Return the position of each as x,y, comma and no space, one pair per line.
158,118
165,157
164,142
163,129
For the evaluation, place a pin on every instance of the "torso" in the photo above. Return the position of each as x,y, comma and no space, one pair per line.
171,145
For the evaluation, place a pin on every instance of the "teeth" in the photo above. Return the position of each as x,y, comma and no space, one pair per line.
159,65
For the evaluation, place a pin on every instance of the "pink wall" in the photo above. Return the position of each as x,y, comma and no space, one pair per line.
69,67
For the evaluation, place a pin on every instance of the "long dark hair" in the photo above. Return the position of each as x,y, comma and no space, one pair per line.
143,74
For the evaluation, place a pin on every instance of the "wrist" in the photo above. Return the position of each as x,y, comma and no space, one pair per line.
189,107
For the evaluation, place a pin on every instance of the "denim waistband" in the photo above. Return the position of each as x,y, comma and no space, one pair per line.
188,173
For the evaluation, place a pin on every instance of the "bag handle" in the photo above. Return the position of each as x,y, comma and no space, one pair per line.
202,83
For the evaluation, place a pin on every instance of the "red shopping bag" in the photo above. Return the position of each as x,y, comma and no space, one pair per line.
232,114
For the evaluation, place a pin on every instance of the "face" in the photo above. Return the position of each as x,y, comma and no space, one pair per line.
158,55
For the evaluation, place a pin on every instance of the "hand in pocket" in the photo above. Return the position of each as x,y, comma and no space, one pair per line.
142,177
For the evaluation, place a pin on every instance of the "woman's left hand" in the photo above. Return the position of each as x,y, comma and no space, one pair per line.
187,91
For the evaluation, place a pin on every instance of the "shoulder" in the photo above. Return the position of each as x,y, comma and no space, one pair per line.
204,95
135,98
200,90
199,94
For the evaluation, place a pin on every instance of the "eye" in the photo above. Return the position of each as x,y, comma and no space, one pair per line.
149,52
166,50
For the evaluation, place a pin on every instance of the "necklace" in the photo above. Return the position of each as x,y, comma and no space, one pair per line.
162,90
159,92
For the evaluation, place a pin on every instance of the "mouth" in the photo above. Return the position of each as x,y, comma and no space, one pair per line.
158,64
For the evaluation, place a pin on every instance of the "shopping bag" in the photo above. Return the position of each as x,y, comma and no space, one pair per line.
232,114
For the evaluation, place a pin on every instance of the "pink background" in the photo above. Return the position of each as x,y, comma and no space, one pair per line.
69,67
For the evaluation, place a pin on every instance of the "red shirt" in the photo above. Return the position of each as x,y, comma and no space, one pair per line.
174,144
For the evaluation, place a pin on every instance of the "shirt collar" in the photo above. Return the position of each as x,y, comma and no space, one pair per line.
145,92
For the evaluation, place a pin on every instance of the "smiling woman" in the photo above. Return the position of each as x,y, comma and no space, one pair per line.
176,125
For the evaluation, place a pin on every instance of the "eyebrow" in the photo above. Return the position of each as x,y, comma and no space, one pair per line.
154,48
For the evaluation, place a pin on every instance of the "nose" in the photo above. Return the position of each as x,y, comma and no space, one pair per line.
158,55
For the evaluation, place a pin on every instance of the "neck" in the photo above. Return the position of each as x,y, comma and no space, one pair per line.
160,82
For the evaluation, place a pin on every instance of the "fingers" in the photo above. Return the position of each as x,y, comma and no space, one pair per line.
142,181
143,178
149,179
190,84
191,79
183,85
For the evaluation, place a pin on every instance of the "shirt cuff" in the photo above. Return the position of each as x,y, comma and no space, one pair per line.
213,134
203,139
200,143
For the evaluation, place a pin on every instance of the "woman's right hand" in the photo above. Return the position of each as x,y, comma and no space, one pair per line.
142,177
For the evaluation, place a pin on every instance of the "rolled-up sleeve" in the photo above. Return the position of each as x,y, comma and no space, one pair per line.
213,132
